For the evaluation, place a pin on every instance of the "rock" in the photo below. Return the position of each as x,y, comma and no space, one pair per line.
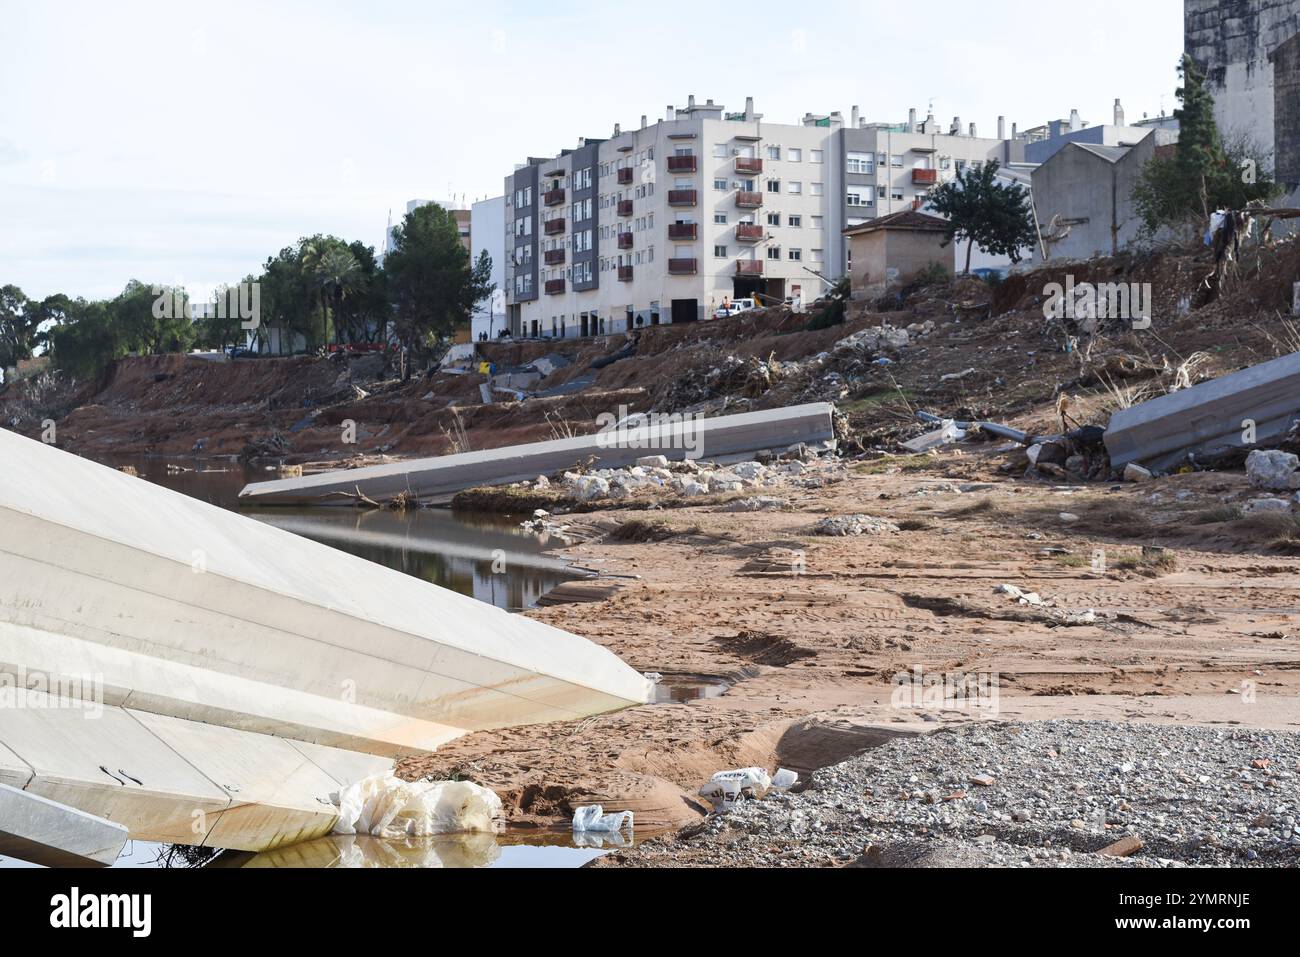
1261,505
1048,453
691,488
983,780
853,525
1136,473
749,471
1069,518
1273,470
653,462
591,487
1124,847
761,503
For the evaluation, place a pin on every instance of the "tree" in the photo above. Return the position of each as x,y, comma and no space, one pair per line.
17,333
1202,174
981,210
432,283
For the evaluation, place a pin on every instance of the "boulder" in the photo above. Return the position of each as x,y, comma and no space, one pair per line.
1273,469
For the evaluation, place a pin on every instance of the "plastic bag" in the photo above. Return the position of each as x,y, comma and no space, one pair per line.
384,806
727,787
592,817
784,780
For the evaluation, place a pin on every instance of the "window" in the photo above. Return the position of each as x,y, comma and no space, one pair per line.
818,222
881,191
719,252
720,185
720,218
796,187
795,222
859,197
796,255
817,189
816,255
773,252
896,161
774,152
721,150
860,163
896,193
817,156
794,155
774,186
774,219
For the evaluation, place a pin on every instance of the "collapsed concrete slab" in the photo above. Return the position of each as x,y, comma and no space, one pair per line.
175,645
45,832
677,439
1237,411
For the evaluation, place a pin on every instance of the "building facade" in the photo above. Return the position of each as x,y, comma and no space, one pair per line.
670,221
487,233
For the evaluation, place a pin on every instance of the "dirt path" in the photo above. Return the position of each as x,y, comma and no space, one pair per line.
1210,636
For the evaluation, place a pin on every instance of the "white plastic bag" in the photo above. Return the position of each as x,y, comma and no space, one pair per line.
385,806
727,787
592,817
783,780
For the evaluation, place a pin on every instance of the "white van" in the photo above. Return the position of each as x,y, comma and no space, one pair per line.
736,307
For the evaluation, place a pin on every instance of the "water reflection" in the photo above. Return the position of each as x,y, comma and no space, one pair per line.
487,557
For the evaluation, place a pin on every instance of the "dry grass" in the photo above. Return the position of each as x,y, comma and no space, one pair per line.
1216,515
1150,561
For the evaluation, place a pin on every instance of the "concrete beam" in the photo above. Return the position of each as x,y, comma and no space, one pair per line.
35,829
718,438
1208,417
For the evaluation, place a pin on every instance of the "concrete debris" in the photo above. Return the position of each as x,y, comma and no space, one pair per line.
388,807
944,435
1273,470
853,525
1260,506
1021,597
760,503
1136,473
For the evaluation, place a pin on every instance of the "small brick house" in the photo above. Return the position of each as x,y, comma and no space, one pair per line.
895,249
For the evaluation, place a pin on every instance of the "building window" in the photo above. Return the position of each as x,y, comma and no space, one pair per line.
794,155
721,150
896,161
720,218
774,186
719,252
818,222
859,197
796,255
881,191
795,222
860,163
796,187
816,255
817,156
817,189
896,194
720,185
773,252
774,219
774,152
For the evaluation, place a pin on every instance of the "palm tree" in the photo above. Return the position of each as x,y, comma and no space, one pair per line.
337,272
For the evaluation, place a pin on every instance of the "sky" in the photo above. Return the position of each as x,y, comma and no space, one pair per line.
185,142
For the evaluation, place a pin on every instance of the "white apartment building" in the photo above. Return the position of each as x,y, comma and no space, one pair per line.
668,222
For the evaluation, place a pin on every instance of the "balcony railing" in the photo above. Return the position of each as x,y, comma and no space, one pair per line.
747,164
553,227
925,177
624,273
624,240
683,230
554,287
682,164
554,257
749,233
625,176
682,267
625,207
682,197
749,267
553,197
746,200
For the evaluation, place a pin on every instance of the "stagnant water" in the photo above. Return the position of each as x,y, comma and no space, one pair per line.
486,556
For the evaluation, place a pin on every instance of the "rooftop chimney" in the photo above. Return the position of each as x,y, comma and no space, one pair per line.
972,131
1002,127
1075,122
1119,114
1015,131
643,119
690,101
956,126
618,129
856,117
672,113
911,120
749,107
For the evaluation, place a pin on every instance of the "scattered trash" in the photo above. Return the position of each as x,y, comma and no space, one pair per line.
592,817
385,806
725,788
946,434
783,780
854,525
1021,597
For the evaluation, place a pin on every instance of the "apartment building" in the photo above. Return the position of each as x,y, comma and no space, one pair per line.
669,221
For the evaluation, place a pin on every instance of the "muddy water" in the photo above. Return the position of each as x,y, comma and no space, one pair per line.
485,556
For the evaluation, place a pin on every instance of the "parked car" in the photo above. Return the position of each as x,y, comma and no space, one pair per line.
734,308
240,352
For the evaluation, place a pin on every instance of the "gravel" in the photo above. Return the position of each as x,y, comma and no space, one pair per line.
1046,794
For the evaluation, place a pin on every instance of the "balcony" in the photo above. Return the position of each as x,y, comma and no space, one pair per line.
749,233
624,273
682,267
554,287
682,197
682,164
748,267
925,177
749,200
553,227
683,231
625,176
625,207
553,197
624,240
554,257
747,164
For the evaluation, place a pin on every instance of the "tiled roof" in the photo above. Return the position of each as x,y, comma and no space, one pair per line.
907,219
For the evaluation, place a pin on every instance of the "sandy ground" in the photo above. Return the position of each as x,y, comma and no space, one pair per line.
1210,638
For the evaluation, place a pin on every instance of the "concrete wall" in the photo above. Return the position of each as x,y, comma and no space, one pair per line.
488,231
1232,39
1286,112
887,257
1078,184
